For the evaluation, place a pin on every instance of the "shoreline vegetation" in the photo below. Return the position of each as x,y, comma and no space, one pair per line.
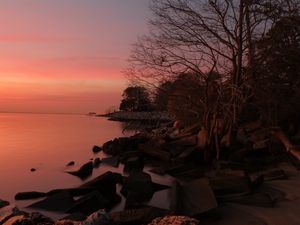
126,116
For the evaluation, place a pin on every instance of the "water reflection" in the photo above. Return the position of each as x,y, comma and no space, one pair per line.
48,143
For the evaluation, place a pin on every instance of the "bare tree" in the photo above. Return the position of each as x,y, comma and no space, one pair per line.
206,37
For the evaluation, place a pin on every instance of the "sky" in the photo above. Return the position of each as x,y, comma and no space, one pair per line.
66,56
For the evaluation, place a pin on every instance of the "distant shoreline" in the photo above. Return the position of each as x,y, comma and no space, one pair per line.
43,113
124,116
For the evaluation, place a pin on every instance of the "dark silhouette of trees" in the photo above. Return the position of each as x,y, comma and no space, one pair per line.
136,99
163,92
206,38
277,58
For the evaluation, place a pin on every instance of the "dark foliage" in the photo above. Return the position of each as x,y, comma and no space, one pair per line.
136,99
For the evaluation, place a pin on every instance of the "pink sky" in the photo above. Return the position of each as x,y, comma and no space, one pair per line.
66,55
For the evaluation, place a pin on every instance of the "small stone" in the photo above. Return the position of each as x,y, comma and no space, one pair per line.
33,169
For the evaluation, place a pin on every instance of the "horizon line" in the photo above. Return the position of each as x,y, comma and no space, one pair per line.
61,113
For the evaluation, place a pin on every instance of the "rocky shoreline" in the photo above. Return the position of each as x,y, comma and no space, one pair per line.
198,191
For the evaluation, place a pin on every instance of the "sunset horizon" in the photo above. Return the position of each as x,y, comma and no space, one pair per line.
66,57
117,112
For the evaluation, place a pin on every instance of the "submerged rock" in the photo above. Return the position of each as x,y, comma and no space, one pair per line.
84,172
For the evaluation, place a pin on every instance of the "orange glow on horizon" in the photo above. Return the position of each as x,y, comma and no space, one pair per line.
66,56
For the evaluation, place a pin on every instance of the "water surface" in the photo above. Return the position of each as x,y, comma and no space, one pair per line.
47,143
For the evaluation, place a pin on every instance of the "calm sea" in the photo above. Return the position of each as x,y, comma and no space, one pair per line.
47,142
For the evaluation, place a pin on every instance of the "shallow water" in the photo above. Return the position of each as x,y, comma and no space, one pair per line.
47,143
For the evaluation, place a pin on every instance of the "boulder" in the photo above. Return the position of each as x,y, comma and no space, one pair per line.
29,195
137,189
96,163
84,172
185,171
134,164
105,178
105,184
92,202
57,202
111,161
123,144
193,198
225,185
138,181
126,155
73,191
96,149
153,148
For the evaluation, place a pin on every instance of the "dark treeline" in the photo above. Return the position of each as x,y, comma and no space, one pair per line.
221,63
